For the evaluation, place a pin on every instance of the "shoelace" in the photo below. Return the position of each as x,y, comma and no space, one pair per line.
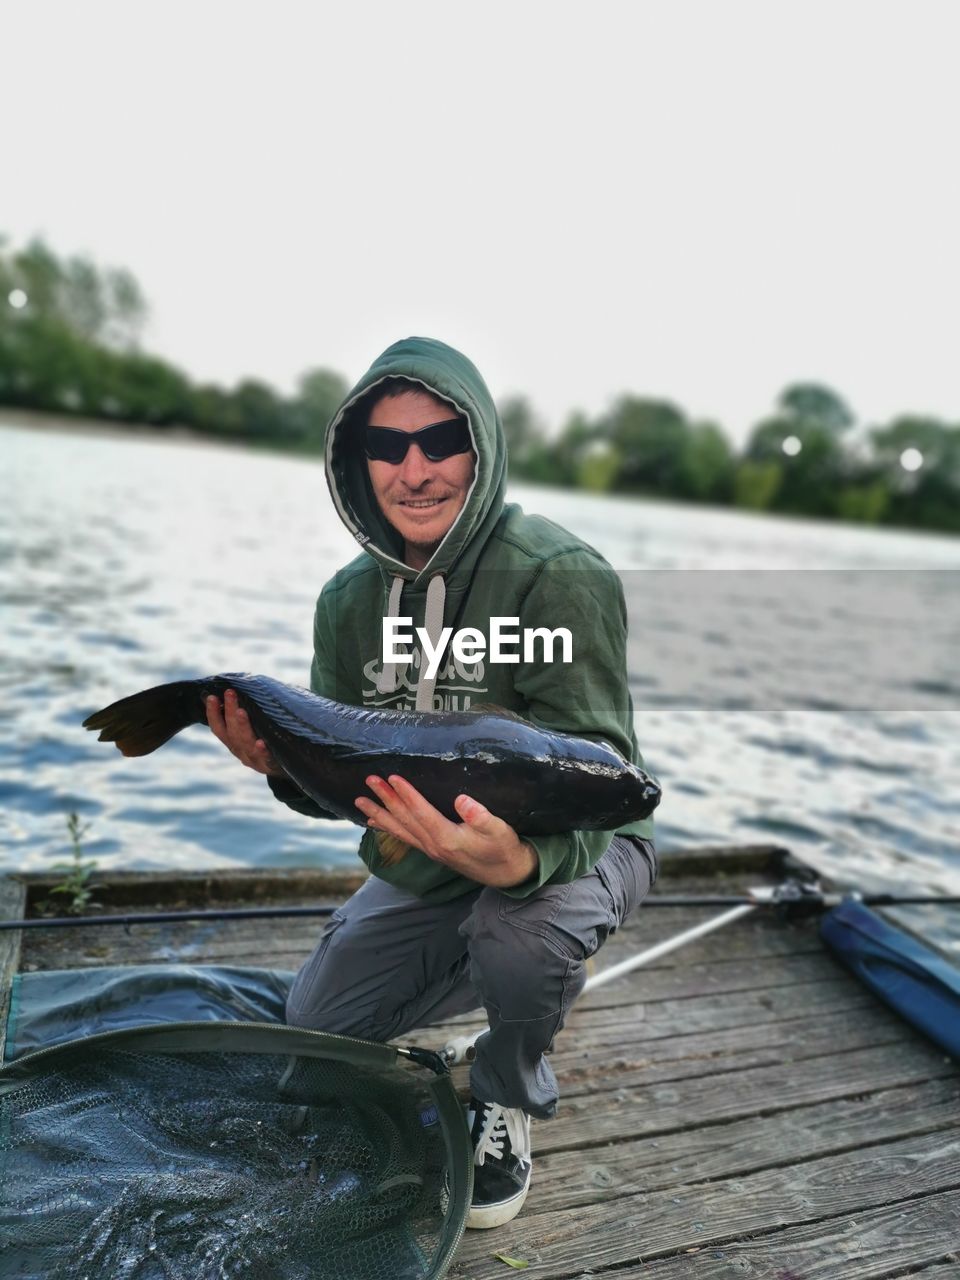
500,1123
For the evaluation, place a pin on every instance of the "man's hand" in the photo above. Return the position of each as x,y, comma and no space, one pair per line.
482,848
231,724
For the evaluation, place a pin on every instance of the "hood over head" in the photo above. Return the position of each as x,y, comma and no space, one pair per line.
450,376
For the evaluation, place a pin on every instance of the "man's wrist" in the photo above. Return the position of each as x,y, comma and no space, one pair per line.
530,862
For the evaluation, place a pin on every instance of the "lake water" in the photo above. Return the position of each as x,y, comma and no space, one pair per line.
793,681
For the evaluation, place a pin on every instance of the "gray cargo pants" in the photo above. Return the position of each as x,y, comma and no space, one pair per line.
388,962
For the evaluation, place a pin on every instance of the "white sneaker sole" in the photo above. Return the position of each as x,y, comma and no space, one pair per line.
482,1217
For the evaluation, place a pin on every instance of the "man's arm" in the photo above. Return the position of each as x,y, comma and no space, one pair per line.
588,696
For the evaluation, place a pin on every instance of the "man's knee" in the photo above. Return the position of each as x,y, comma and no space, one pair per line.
519,958
330,993
338,1020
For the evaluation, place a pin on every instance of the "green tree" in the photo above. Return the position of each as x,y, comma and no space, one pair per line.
599,467
81,300
38,272
707,466
104,306
58,351
928,497
576,441
524,432
804,440
319,394
810,477
756,483
651,437
813,403
126,309
214,410
261,411
145,389
867,503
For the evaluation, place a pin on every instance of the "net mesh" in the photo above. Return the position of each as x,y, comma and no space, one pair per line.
184,1166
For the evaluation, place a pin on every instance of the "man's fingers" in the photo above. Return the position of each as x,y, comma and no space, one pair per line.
421,810
383,820
231,724
239,730
400,811
215,718
478,817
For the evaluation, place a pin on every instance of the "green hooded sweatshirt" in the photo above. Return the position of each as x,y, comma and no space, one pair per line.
495,561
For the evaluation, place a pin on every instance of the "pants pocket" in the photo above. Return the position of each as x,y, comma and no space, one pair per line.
536,912
573,919
627,875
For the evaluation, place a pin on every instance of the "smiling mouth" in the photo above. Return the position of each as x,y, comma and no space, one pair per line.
421,504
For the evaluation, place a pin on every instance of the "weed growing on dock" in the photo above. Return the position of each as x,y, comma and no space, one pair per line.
78,871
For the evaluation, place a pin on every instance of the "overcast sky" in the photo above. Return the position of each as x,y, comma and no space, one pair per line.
702,200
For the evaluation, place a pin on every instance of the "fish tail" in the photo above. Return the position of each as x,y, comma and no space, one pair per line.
144,721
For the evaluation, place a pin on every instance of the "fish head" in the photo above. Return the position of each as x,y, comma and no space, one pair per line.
642,793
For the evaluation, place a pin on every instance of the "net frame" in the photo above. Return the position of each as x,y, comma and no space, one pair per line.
281,1041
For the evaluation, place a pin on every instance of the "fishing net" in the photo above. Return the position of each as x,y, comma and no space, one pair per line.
197,1151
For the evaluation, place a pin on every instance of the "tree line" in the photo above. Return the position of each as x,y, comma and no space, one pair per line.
70,343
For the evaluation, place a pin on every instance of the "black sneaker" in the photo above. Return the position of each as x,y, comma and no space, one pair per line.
501,1162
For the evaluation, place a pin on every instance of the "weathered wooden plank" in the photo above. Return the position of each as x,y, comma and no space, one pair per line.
569,1179
628,1229
759,935
585,1070
730,1050
709,865
950,1266
701,1011
751,940
12,902
913,1237
657,982
621,1113
582,1055
136,890
231,939
145,945
949,1269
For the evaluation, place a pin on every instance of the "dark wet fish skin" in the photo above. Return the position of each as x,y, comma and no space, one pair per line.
539,781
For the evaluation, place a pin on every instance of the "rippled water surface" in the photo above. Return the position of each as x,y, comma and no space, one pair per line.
792,681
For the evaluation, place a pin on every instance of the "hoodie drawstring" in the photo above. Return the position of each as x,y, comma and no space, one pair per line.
389,677
433,625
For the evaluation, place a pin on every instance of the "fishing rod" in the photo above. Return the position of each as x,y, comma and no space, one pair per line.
792,897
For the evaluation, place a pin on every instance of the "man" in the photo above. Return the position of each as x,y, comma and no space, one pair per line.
471,914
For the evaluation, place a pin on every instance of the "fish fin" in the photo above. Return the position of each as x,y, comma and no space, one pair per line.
144,721
392,848
492,709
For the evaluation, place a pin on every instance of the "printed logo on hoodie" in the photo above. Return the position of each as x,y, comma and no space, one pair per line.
458,686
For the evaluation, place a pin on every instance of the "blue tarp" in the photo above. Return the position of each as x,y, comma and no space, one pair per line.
62,1004
921,985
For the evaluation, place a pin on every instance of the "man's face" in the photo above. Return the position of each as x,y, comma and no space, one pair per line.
421,499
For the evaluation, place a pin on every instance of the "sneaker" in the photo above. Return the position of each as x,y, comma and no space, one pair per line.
501,1162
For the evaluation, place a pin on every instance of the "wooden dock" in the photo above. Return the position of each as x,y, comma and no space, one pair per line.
741,1108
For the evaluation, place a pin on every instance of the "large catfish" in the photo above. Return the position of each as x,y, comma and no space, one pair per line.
538,781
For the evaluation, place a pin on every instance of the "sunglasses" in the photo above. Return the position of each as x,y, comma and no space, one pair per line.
438,441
